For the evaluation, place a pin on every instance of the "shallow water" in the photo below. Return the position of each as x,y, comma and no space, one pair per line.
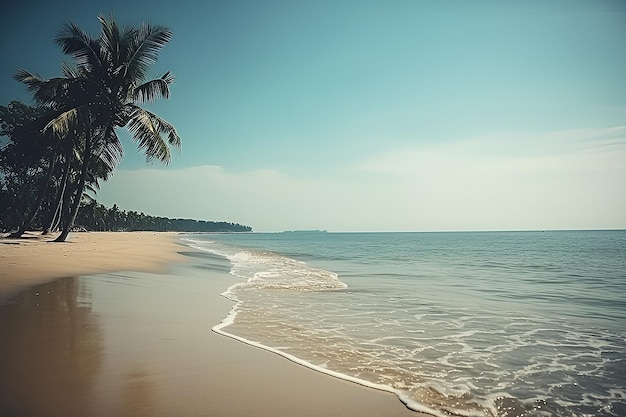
491,323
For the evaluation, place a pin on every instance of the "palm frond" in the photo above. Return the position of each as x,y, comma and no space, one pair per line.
92,185
147,130
76,42
63,123
69,71
168,129
152,90
163,127
33,81
89,188
110,39
148,139
55,91
144,49
114,43
109,147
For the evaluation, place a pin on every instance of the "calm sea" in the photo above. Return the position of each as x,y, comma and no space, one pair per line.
472,324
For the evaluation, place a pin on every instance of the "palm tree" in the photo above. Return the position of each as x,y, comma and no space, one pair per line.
103,92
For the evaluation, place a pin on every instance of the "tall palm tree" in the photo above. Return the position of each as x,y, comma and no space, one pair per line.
103,91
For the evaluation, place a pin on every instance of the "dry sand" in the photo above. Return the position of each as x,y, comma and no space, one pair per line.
35,259
139,343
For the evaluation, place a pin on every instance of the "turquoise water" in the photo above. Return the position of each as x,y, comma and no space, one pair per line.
475,324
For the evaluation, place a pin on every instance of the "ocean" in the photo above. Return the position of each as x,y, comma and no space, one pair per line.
459,323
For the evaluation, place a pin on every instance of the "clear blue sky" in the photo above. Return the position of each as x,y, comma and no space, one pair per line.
371,115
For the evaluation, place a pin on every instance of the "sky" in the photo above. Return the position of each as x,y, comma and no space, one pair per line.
369,115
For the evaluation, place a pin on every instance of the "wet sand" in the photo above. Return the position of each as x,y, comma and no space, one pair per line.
140,343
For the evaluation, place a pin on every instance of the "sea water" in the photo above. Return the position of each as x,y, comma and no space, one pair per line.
471,324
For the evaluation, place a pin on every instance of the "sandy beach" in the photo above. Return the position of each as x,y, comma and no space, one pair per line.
119,324
35,259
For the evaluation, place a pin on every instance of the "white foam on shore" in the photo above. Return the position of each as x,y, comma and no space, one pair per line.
332,277
404,398
278,272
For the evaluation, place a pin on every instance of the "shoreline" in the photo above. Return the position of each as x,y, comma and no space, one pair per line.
418,409
151,348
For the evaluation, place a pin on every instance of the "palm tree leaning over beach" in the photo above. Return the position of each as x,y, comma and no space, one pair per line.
103,92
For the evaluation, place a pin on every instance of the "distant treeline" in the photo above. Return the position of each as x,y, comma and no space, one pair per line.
95,216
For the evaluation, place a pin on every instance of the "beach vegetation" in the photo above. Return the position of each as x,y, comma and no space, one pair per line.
104,89
95,216
24,160
38,180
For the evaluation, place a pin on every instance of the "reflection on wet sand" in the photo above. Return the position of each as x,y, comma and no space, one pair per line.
103,345
139,344
139,396
51,351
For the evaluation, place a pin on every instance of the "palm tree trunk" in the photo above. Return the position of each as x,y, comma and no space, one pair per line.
53,221
56,217
79,193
